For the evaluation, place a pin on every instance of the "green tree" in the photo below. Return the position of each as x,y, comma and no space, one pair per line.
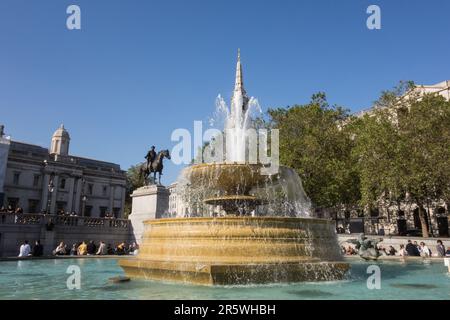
402,149
134,180
314,141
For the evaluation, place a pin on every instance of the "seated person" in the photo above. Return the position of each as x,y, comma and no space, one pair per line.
391,251
60,250
82,249
91,248
102,249
38,249
402,252
447,253
74,250
120,249
109,249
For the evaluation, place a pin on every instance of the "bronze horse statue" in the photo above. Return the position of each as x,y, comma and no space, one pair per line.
156,167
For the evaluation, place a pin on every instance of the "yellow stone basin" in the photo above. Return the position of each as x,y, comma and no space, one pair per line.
232,178
237,250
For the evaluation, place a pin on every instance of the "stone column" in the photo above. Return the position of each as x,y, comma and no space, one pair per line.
44,196
122,202
78,197
71,190
55,191
111,198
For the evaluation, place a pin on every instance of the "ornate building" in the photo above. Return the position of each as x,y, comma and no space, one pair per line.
41,180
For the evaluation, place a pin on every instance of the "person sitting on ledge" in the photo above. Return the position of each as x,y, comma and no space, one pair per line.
25,249
440,249
447,253
133,249
424,250
120,249
391,251
19,210
73,251
110,249
60,250
412,249
38,249
82,249
10,209
91,248
402,252
102,251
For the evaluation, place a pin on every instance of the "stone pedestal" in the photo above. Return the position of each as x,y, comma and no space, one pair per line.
149,202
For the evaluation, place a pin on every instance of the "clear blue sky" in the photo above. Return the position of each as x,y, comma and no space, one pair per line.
139,69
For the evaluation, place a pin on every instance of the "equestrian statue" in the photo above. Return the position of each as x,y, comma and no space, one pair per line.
154,164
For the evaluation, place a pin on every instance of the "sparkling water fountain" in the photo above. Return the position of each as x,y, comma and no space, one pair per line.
262,231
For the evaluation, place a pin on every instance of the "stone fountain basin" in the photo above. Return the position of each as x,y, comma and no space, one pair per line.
238,250
232,178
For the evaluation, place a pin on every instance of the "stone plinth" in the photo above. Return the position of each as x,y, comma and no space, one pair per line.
238,250
149,202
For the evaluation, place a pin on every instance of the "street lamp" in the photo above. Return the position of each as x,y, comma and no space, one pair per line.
51,188
83,208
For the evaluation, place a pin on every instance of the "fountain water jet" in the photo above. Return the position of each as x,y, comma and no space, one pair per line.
282,244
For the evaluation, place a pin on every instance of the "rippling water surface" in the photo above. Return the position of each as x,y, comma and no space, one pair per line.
46,279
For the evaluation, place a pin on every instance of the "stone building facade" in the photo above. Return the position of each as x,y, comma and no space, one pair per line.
51,180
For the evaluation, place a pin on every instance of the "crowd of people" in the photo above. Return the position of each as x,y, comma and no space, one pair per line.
26,250
10,209
79,249
411,249
90,248
19,210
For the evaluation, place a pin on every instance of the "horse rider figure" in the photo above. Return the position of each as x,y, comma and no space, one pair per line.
154,165
151,156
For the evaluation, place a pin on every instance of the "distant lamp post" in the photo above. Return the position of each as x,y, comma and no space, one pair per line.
83,208
51,189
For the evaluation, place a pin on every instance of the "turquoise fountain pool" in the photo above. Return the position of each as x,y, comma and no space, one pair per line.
46,279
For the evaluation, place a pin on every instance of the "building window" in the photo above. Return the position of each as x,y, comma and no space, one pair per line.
33,206
36,179
90,188
16,178
13,202
62,184
103,211
87,211
116,212
105,191
61,206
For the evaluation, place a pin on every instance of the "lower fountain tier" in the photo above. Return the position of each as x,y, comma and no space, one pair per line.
237,250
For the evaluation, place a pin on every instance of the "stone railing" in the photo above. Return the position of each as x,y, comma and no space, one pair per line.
56,220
